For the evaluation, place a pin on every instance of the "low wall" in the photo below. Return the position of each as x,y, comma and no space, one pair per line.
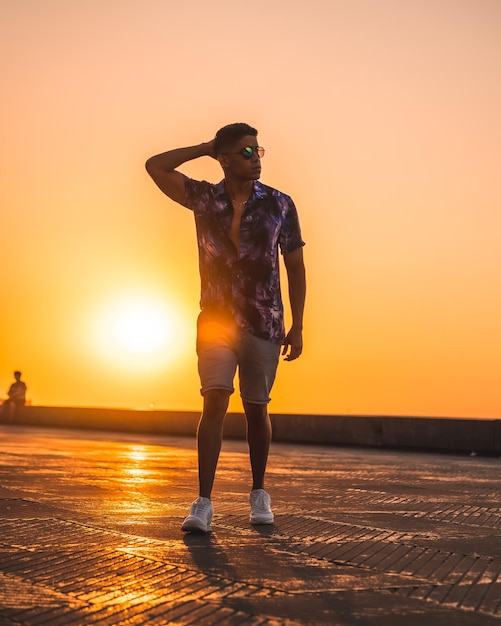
479,435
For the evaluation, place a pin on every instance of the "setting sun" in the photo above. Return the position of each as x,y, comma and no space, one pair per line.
139,330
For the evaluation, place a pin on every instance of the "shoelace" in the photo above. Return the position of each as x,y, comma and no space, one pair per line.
260,501
199,507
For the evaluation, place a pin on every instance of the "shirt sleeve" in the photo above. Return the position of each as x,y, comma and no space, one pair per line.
290,234
195,193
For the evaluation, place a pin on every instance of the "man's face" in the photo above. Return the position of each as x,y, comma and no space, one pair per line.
241,163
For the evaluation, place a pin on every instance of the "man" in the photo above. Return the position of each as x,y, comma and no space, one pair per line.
16,397
241,224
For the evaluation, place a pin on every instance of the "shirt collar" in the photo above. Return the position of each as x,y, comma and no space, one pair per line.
258,193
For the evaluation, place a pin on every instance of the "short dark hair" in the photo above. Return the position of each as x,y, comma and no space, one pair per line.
227,136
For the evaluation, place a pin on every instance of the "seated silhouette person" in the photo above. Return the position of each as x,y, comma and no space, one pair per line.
16,399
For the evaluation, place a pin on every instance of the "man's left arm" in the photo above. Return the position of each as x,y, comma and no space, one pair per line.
296,275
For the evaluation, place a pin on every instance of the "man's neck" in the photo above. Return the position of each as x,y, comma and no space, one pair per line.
239,190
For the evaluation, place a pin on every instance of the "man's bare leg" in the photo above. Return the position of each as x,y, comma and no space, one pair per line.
210,436
259,439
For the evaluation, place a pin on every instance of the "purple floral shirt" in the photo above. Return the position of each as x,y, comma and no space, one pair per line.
245,286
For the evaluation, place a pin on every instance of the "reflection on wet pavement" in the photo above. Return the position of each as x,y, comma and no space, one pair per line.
90,534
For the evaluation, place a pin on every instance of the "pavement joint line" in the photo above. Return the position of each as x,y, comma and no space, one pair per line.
426,555
180,570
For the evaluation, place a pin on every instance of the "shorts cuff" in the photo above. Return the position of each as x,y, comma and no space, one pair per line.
254,401
204,390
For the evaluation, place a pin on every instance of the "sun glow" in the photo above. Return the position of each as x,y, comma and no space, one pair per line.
140,330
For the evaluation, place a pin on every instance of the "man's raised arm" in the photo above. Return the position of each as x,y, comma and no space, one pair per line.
162,168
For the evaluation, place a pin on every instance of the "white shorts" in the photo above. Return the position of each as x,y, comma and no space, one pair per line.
222,347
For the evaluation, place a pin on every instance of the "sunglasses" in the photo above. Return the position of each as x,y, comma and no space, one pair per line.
248,151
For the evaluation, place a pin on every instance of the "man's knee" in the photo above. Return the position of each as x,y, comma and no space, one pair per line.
216,403
254,411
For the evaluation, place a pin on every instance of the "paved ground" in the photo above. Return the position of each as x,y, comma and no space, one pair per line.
90,534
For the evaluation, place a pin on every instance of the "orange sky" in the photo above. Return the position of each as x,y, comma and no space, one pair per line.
381,120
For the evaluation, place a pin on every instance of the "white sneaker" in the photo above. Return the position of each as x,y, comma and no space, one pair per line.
261,512
200,517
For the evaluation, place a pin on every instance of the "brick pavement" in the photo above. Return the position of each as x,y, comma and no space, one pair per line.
89,534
